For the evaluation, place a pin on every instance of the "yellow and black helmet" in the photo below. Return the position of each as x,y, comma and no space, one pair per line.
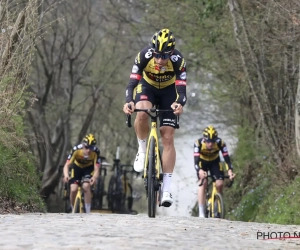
89,140
163,41
210,133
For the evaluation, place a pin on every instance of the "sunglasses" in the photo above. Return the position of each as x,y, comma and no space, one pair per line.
88,147
162,56
209,140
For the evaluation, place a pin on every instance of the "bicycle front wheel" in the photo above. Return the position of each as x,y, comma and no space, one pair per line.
77,205
219,210
151,180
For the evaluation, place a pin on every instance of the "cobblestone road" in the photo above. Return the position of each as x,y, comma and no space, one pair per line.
113,231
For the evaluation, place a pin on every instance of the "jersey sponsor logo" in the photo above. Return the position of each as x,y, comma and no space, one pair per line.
135,76
148,54
225,149
174,58
183,75
179,82
144,97
196,149
159,78
135,69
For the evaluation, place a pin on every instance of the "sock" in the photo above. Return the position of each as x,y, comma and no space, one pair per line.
142,145
87,208
201,211
167,182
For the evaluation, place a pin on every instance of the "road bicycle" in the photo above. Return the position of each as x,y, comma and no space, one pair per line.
214,207
153,176
98,190
79,204
119,195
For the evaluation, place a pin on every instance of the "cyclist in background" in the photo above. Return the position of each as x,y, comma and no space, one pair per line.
158,75
85,161
206,157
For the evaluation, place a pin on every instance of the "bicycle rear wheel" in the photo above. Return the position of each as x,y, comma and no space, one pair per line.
219,207
98,193
151,180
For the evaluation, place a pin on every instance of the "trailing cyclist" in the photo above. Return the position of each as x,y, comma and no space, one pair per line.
206,157
158,76
85,161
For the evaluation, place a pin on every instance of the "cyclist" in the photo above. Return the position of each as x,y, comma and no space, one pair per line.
85,161
158,76
206,157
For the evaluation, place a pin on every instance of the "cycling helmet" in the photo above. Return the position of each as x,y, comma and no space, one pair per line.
163,41
89,140
210,134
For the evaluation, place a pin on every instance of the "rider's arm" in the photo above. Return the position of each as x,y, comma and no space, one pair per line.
97,163
70,160
179,65
224,150
140,63
197,149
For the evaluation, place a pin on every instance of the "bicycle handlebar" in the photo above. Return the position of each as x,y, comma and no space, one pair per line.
225,177
152,110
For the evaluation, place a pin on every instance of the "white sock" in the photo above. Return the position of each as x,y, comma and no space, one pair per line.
167,182
201,211
87,208
142,145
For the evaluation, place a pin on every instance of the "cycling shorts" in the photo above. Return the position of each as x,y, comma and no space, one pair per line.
164,98
215,167
78,173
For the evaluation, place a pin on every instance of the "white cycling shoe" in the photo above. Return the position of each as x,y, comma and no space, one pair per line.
139,162
166,200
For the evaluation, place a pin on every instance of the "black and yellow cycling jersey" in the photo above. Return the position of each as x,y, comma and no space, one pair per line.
146,71
202,153
77,156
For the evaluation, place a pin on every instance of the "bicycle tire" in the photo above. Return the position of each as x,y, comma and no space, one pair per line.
110,192
114,196
99,193
66,198
220,206
151,180
77,206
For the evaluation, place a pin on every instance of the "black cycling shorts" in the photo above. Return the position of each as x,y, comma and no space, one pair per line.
164,98
215,167
78,173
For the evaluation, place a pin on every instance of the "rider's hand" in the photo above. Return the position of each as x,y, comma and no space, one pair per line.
128,110
92,181
202,174
177,107
66,179
231,174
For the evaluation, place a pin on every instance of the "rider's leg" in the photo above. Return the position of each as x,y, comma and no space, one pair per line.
219,173
201,199
219,186
168,155
168,160
87,196
73,192
141,125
